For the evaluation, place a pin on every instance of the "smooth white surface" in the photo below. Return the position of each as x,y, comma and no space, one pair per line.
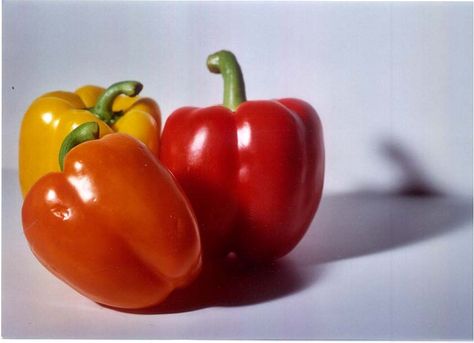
392,83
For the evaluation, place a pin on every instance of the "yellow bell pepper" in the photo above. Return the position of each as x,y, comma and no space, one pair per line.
52,116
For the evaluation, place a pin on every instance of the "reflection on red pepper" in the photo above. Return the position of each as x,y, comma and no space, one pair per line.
253,170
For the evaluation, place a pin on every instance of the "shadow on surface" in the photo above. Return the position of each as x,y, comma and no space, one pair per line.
229,283
362,223
413,181
369,221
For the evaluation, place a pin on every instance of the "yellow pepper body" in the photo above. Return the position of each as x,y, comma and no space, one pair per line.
52,116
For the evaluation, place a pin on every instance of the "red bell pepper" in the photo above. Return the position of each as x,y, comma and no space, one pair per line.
253,170
114,225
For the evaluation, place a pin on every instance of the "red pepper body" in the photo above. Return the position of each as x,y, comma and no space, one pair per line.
254,176
114,225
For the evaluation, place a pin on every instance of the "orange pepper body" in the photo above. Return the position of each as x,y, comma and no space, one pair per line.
114,225
52,116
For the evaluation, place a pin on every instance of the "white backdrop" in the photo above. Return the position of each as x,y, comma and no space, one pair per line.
392,83
378,73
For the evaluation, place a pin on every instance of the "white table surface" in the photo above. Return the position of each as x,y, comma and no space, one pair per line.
372,266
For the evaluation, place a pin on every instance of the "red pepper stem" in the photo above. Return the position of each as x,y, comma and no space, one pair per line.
103,107
83,133
224,62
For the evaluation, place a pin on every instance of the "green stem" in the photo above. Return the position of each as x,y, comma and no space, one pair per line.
224,62
83,133
103,107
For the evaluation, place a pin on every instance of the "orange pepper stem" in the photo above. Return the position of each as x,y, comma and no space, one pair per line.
83,133
103,107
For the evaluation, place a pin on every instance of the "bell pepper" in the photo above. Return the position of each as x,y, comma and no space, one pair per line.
253,170
52,116
114,224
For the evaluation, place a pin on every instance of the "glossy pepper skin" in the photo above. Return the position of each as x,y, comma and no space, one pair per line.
253,170
52,116
114,225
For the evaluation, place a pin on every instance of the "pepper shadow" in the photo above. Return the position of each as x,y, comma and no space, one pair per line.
369,221
229,282
362,223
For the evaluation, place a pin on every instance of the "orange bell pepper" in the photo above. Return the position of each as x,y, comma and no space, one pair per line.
114,224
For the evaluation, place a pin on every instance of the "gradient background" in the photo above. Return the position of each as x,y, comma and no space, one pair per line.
389,255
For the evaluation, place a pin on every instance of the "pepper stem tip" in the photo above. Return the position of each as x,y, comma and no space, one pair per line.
224,62
103,106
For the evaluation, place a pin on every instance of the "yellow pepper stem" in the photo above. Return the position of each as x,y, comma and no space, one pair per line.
103,107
